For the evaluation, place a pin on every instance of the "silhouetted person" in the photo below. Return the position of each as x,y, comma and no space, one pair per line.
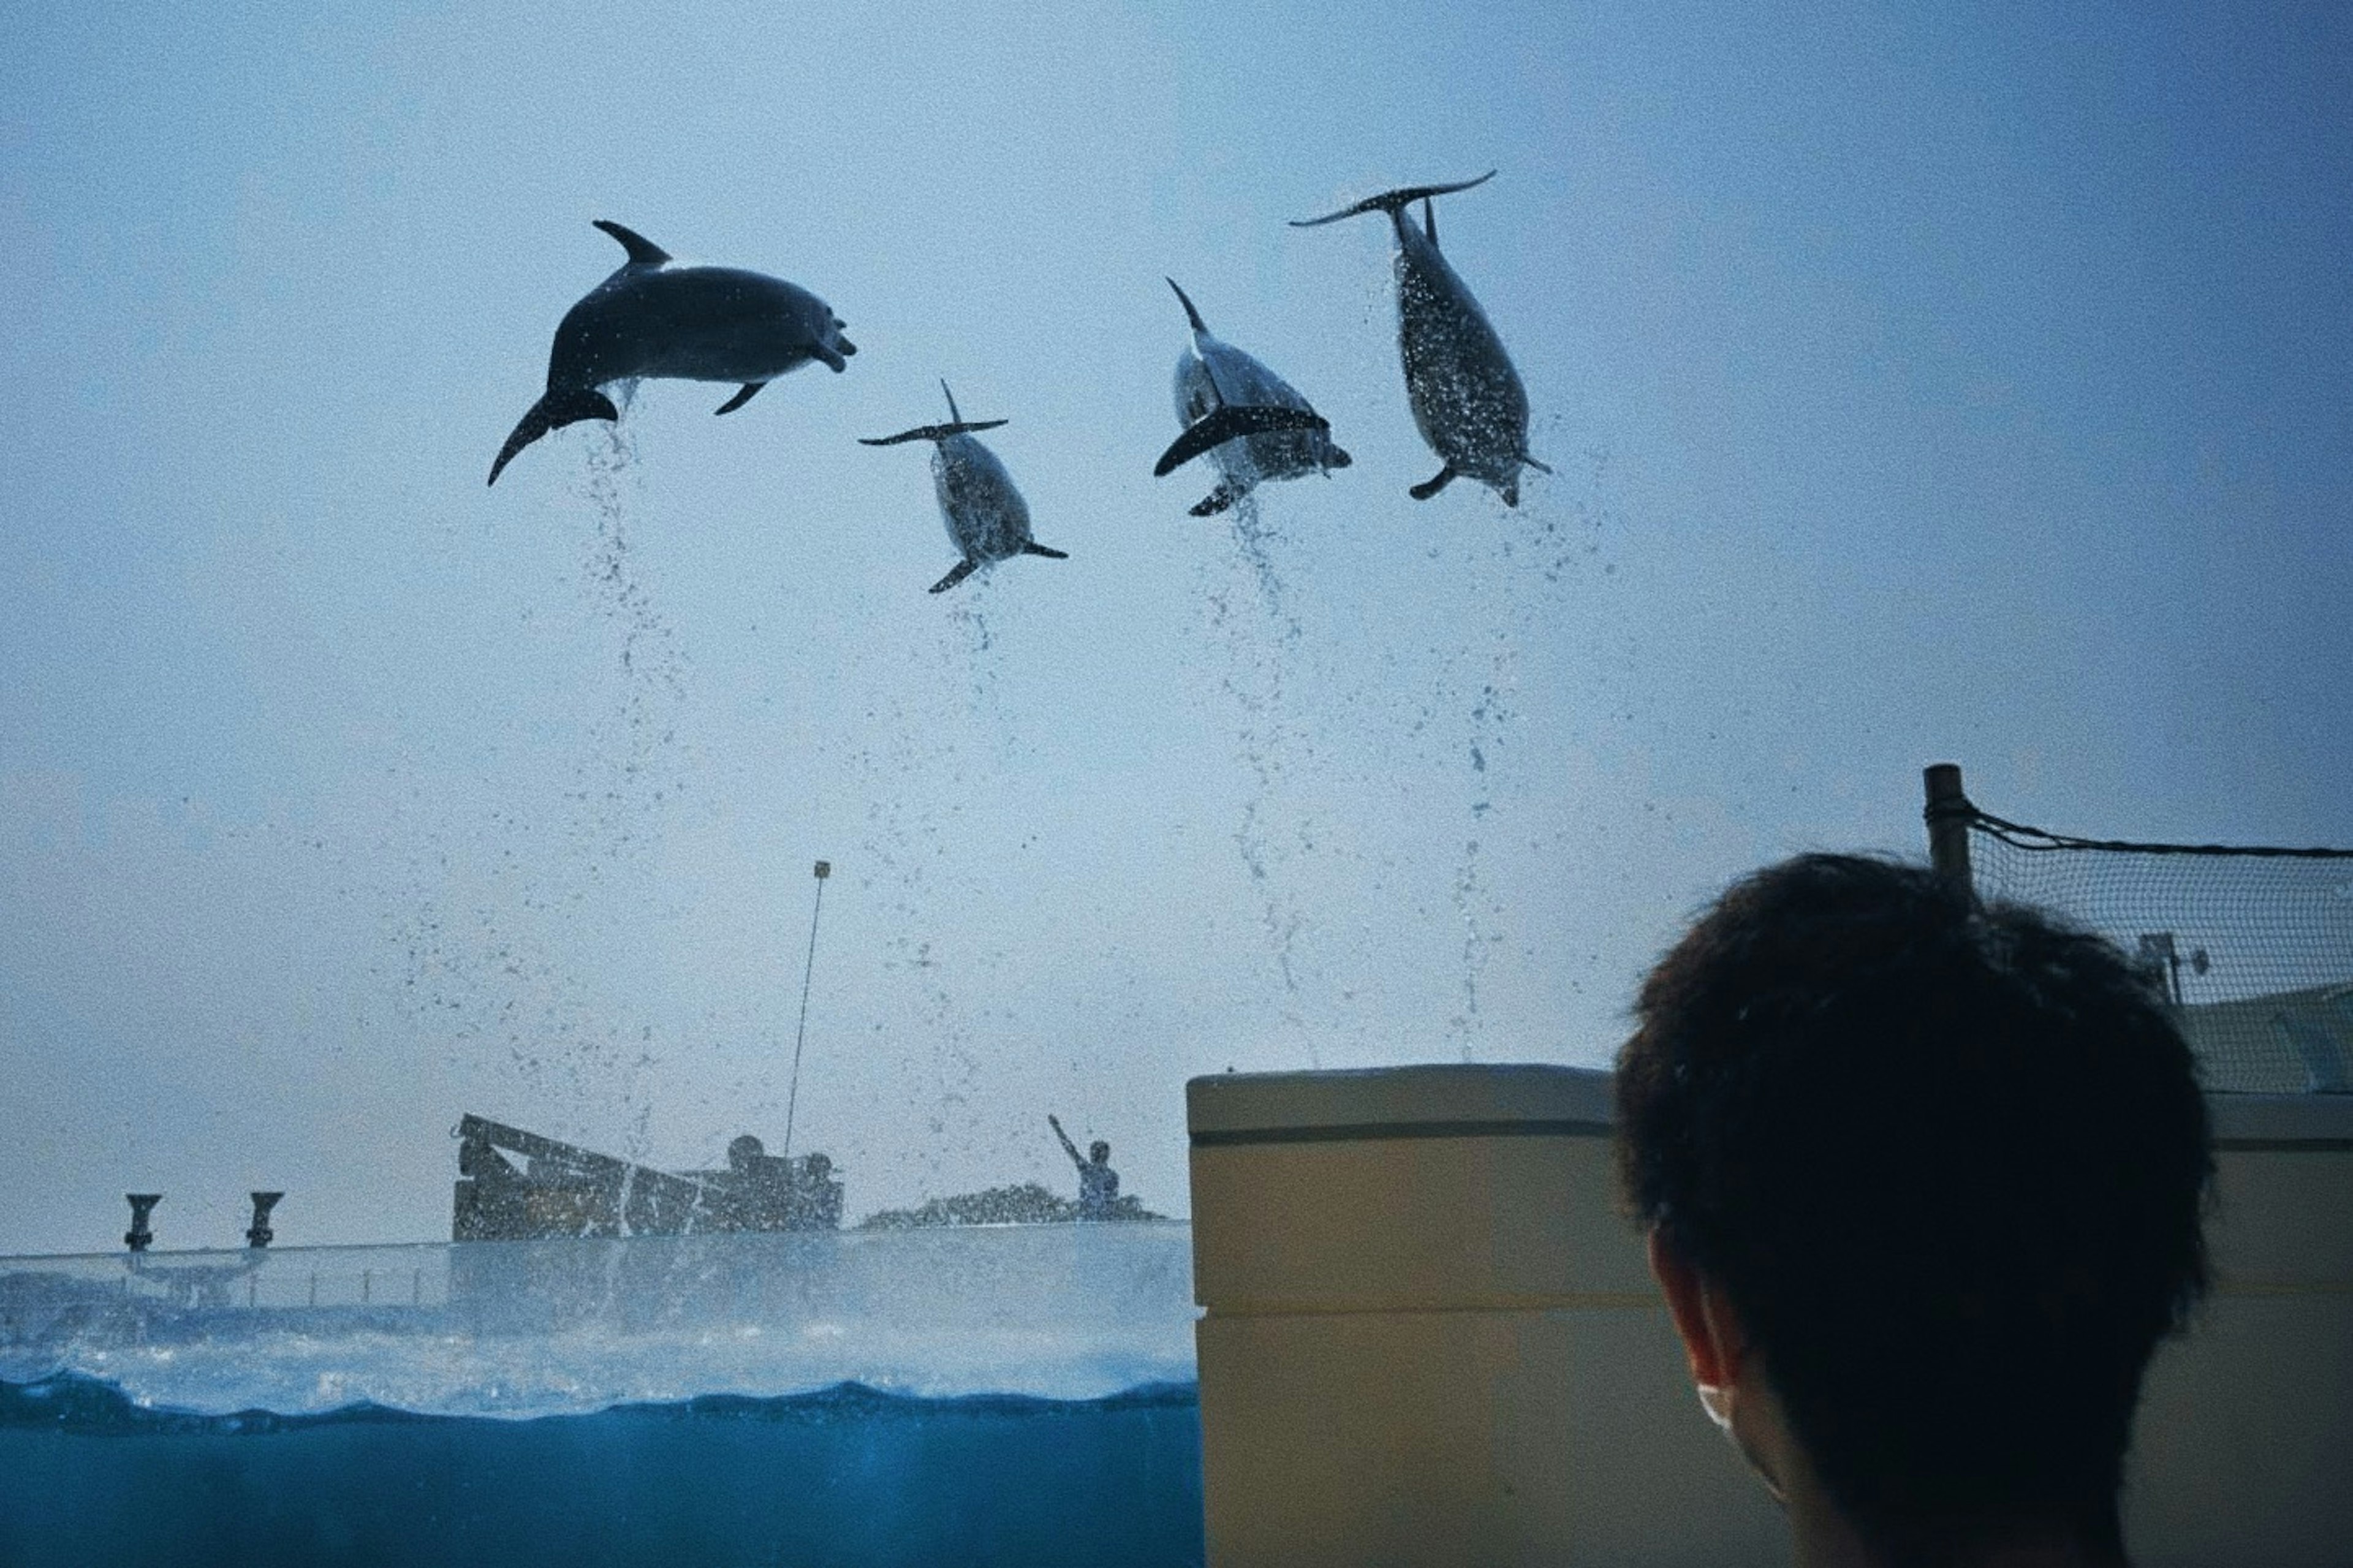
817,1196
1098,1183
1922,1181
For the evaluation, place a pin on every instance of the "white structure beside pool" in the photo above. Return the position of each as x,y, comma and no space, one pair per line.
1431,1338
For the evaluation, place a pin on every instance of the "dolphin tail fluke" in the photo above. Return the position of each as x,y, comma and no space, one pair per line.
962,570
1191,314
932,432
1034,548
553,412
1435,483
1394,201
1230,422
751,390
643,252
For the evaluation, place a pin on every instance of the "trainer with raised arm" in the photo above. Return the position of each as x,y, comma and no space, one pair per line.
1923,1182
1098,1183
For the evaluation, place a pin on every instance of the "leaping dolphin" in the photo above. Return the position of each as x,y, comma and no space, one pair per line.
1246,416
655,317
987,520
1467,399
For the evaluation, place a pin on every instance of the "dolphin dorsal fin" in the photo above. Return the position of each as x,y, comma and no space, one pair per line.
953,418
1429,221
643,252
1191,314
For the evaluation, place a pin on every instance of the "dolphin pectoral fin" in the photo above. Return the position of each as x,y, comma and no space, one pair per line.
643,252
1034,548
828,357
1510,490
1394,201
751,390
1531,463
1216,502
553,411
962,570
1335,458
1230,422
847,346
1431,487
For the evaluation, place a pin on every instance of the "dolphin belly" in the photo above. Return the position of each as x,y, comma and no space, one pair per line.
1466,397
759,349
986,517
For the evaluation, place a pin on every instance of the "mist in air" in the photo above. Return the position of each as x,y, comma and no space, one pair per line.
1915,387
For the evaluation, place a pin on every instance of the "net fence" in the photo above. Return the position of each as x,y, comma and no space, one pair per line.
2254,945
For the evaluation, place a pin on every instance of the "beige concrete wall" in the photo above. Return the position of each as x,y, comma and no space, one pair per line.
1431,1338
2244,1451
1444,1348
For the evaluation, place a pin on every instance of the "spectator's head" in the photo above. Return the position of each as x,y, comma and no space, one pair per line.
1924,1181
1098,1151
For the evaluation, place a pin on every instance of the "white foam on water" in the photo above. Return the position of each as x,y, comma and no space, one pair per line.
525,1329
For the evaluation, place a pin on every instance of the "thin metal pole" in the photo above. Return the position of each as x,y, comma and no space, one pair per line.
800,1034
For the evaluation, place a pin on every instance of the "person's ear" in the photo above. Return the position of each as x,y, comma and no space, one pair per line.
1713,1339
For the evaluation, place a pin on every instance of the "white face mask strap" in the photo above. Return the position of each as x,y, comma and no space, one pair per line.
1716,1400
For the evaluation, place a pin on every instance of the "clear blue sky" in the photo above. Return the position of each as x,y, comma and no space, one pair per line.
1923,381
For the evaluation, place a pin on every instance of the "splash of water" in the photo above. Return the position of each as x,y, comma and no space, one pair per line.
1259,650
1521,576
902,849
629,772
972,647
1475,905
492,902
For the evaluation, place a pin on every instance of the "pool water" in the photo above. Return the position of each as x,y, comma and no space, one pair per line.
845,1476
1020,1395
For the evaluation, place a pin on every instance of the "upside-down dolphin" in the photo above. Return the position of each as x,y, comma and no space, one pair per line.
987,520
657,317
1467,399
1246,416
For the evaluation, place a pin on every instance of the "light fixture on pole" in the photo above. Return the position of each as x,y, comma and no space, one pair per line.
800,1034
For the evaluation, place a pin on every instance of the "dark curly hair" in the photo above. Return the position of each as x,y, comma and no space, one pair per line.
1947,1162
